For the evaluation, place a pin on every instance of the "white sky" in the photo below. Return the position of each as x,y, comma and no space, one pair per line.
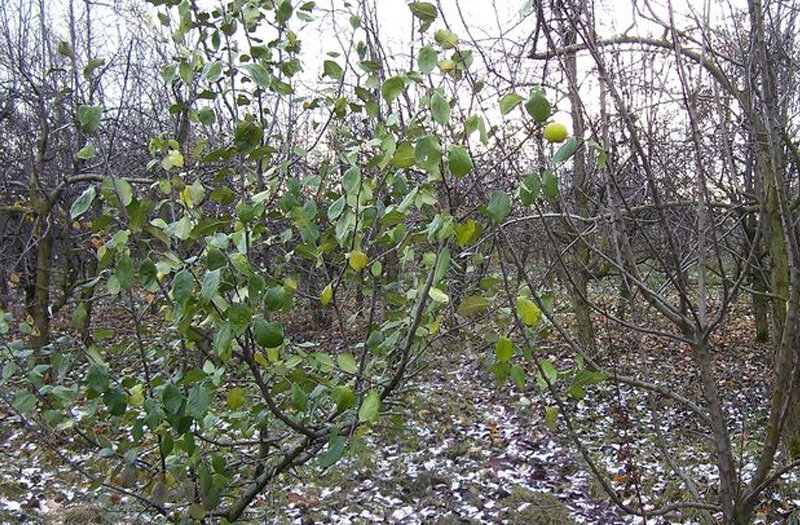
487,21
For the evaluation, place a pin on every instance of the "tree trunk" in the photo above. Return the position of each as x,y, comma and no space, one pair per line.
39,309
578,278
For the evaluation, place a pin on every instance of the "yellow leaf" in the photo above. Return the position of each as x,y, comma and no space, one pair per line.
260,359
436,324
438,295
174,159
136,398
528,311
290,285
326,295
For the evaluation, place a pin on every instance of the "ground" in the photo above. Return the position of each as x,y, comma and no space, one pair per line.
469,450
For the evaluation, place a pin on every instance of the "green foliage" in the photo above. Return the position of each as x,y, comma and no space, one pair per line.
566,150
426,12
440,108
427,59
459,161
245,233
446,38
538,106
509,101
393,87
89,118
499,206
82,203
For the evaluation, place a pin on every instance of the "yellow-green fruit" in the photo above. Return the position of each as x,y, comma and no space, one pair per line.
555,132
538,106
357,260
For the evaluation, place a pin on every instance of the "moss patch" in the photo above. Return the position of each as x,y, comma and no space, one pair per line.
527,507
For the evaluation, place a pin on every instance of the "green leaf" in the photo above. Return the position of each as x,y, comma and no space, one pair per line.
548,370
118,191
284,12
403,155
332,69
446,38
182,287
124,191
268,334
86,152
91,65
425,11
428,153
347,363
566,150
198,402
550,184
82,203
172,398
344,397
427,59
89,118
351,180
24,402
499,206
299,398
459,161
440,108
180,229
259,74
212,71
442,265
519,377
97,378
206,116
65,49
124,272
326,295
334,451
504,349
538,106
239,315
370,408
79,318
197,512
472,305
529,189
336,208
280,87
247,136
275,298
576,391
509,102
551,418
116,401
357,260
211,284
235,398
186,72
392,88
438,295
